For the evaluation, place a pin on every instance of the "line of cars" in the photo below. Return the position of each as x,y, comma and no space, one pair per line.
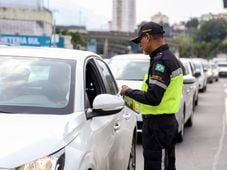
129,69
60,109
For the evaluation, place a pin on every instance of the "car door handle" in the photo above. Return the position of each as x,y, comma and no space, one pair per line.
127,116
117,126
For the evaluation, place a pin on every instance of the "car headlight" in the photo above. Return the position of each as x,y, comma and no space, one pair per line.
55,161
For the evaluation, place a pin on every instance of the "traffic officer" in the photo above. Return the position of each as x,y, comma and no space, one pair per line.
159,99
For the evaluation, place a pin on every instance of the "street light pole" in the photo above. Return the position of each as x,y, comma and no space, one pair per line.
190,40
53,37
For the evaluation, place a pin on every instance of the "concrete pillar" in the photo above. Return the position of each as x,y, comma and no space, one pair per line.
105,48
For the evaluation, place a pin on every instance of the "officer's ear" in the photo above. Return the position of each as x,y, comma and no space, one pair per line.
148,37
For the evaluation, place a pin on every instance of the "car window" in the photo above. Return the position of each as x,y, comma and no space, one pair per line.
34,82
110,84
94,83
186,68
129,69
192,67
198,66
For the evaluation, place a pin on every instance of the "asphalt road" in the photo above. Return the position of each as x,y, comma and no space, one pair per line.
205,143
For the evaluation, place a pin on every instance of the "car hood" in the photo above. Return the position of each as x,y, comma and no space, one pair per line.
25,138
131,84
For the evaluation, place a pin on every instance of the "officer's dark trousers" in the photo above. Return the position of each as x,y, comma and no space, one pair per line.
159,139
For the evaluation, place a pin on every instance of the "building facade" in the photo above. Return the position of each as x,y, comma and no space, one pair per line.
124,15
160,18
25,18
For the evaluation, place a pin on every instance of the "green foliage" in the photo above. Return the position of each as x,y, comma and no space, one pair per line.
207,38
194,22
76,39
212,30
223,47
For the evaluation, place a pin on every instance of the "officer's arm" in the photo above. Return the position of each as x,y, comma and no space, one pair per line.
157,84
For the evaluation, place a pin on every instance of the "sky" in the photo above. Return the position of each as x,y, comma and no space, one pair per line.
95,14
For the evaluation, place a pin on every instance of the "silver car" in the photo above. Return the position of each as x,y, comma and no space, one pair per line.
130,69
190,91
60,109
202,79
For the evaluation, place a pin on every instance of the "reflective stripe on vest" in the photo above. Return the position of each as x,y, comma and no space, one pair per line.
172,97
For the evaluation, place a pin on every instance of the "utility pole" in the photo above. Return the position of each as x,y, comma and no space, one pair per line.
190,40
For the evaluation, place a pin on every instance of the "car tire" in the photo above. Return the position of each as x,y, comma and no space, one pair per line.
180,134
189,123
197,100
132,155
194,103
204,88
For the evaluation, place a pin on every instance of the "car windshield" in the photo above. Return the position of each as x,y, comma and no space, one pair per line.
197,66
129,69
35,85
185,67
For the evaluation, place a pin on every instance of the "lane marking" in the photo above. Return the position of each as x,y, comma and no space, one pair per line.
221,140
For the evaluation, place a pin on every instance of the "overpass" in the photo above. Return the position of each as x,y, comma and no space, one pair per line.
110,42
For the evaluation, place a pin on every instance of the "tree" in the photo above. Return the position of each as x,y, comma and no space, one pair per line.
206,40
192,23
76,39
215,29
184,48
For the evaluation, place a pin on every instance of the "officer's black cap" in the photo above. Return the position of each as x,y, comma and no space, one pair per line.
151,28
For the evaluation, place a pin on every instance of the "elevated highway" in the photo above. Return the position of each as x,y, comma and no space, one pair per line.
116,42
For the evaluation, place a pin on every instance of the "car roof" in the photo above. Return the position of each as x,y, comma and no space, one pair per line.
184,59
131,56
197,60
45,52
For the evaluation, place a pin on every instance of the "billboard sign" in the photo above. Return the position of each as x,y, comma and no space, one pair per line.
28,40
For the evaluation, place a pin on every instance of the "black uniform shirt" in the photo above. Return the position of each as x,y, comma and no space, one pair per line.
162,64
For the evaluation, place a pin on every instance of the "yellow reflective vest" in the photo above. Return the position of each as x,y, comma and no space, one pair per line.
170,102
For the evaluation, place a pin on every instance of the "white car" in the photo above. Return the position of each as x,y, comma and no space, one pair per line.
222,68
190,91
215,71
203,76
60,109
130,69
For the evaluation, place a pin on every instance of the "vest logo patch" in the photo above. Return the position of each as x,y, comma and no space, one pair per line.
160,67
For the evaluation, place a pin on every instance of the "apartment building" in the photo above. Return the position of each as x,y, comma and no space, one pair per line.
25,17
124,15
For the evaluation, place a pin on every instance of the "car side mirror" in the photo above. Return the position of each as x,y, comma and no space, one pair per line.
106,104
205,70
197,74
189,80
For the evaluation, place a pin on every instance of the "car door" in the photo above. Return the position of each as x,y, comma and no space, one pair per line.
124,125
188,90
104,130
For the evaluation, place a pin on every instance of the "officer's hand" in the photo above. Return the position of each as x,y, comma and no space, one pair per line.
123,90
